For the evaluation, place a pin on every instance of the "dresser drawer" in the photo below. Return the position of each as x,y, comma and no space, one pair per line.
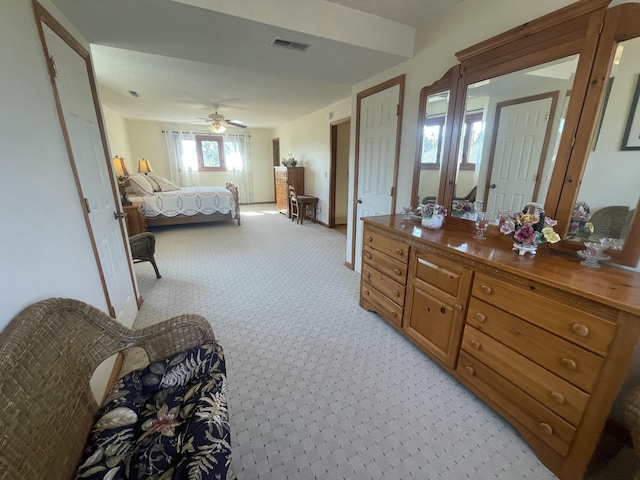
571,323
542,422
281,173
391,247
384,284
571,362
391,267
440,273
552,391
372,299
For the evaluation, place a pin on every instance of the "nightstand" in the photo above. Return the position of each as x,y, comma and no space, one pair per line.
134,217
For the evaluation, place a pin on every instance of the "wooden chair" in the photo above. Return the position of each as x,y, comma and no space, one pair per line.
294,207
299,204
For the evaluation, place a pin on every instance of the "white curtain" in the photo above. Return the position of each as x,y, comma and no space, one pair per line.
183,160
237,153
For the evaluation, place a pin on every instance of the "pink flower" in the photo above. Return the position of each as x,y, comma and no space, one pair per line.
526,234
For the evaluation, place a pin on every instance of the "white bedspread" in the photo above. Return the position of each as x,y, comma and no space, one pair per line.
189,201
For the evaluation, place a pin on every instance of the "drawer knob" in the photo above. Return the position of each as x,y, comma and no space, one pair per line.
368,255
394,314
481,317
396,293
366,292
369,239
470,370
397,271
546,428
579,329
557,397
475,344
399,251
486,289
568,363
367,274
458,307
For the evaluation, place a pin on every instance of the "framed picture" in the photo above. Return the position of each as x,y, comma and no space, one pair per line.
631,139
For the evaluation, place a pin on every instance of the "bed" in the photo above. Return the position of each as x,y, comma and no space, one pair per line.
164,203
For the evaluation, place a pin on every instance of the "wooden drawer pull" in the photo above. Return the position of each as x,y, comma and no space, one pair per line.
481,317
369,239
568,364
557,397
579,329
396,293
546,428
470,370
366,292
368,255
475,344
394,314
367,274
458,307
397,271
486,289
399,251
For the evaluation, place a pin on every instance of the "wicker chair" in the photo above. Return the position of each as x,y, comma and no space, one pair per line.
632,415
143,249
47,356
611,222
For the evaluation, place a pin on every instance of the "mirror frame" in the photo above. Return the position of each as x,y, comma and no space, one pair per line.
587,28
449,81
621,23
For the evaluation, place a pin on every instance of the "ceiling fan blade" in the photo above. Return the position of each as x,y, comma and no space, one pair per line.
236,123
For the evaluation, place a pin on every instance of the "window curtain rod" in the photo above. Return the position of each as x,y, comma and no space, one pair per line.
176,132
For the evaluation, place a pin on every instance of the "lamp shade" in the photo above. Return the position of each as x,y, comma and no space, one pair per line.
144,166
120,167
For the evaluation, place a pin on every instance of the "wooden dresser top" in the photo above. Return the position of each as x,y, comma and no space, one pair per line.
613,286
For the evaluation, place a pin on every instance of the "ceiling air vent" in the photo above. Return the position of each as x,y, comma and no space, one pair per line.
280,42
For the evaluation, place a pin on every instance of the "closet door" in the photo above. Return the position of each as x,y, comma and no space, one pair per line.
80,117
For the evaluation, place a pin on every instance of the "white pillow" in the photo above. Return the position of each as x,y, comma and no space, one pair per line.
164,184
139,185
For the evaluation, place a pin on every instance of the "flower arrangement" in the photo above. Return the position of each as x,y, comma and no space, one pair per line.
463,208
580,221
430,209
530,227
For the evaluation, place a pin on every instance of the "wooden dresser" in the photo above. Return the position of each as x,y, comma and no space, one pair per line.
285,176
543,340
134,218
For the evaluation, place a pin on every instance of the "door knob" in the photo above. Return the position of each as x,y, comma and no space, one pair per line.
493,185
359,200
118,215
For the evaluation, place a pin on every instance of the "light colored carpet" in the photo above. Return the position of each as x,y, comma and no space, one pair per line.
318,387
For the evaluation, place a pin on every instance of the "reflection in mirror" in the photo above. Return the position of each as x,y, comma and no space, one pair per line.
606,213
510,136
433,140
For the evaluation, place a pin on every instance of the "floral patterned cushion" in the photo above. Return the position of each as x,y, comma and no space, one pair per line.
167,421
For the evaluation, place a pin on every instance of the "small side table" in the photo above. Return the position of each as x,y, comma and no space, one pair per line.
134,217
306,201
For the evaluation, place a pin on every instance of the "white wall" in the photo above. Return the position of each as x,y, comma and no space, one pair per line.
308,139
44,245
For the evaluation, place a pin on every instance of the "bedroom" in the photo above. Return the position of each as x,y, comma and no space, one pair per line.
36,169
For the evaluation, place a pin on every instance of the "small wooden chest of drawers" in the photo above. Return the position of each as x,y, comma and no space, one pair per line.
384,276
135,219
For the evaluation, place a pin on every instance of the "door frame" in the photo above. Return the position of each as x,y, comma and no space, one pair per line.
545,143
275,152
42,16
400,81
332,169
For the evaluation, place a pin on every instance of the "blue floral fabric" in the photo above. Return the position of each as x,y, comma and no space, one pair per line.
168,421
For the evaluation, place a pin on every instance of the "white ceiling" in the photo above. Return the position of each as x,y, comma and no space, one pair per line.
184,57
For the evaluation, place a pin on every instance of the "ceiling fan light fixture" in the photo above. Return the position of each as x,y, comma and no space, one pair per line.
217,128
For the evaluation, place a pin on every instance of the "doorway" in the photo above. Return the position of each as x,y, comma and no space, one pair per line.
339,181
275,148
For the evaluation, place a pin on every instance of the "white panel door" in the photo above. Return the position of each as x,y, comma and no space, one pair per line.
378,130
81,122
518,151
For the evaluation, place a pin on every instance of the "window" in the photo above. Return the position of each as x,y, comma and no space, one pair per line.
433,136
472,135
210,153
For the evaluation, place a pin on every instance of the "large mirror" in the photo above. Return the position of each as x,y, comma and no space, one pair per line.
511,128
433,138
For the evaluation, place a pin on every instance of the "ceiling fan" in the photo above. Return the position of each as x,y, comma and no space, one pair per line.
218,122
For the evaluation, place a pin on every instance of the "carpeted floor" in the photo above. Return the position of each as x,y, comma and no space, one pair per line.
318,387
